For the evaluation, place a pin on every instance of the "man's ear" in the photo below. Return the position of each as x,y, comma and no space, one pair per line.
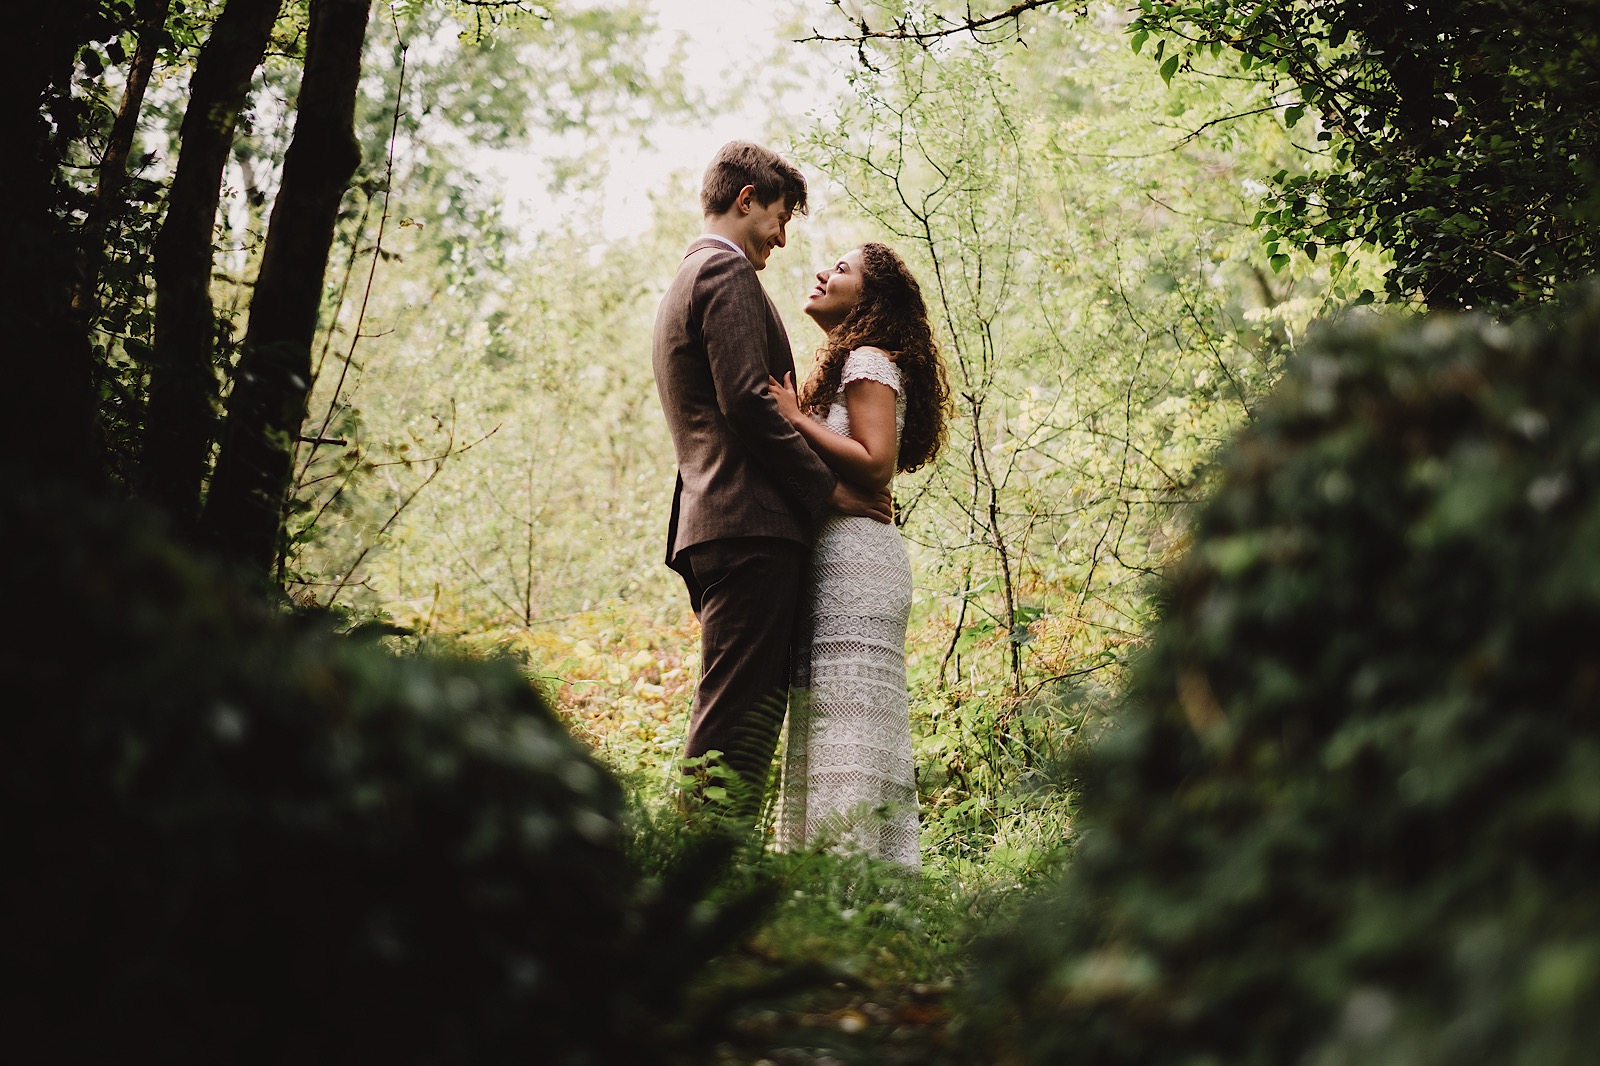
745,200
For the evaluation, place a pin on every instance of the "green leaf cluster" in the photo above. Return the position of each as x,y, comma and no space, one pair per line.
1349,809
245,835
1459,137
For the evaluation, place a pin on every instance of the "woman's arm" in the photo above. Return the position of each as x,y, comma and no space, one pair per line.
867,456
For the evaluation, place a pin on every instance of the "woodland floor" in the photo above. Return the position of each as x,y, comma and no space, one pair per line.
895,1027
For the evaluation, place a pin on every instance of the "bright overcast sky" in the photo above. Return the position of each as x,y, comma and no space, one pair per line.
718,34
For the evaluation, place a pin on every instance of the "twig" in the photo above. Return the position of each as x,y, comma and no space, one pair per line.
903,31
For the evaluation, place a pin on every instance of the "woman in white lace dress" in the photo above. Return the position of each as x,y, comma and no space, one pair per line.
873,403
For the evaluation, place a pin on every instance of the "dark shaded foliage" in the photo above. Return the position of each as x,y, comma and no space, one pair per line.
233,834
1351,809
1462,136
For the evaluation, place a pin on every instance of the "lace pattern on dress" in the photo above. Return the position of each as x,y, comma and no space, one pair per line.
872,365
867,364
848,776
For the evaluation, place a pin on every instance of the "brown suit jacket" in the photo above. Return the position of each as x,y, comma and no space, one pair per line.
743,471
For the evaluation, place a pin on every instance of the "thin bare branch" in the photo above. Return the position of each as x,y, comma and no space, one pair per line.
945,26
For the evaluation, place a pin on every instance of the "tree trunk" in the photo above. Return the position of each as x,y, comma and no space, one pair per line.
184,384
244,509
51,432
151,33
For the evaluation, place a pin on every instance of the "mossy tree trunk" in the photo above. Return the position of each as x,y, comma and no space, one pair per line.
244,508
184,388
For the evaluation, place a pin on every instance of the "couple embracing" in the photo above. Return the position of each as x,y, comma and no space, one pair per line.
782,520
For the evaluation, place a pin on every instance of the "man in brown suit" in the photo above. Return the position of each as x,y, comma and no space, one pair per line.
750,490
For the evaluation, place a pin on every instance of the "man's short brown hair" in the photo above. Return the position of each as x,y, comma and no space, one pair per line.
740,163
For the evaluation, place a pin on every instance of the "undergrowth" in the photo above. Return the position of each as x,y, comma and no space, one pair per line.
880,947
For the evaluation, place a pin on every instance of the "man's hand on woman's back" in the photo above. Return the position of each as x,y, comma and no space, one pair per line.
847,499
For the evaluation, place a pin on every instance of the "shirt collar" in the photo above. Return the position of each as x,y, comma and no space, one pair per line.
724,240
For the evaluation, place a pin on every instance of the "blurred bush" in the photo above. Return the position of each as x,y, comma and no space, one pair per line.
1350,811
232,834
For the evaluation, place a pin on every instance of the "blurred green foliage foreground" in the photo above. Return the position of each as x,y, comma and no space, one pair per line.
1350,809
234,835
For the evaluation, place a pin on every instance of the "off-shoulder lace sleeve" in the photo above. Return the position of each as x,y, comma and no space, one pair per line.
871,365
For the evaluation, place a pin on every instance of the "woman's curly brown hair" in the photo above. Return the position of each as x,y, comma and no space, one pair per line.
890,315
